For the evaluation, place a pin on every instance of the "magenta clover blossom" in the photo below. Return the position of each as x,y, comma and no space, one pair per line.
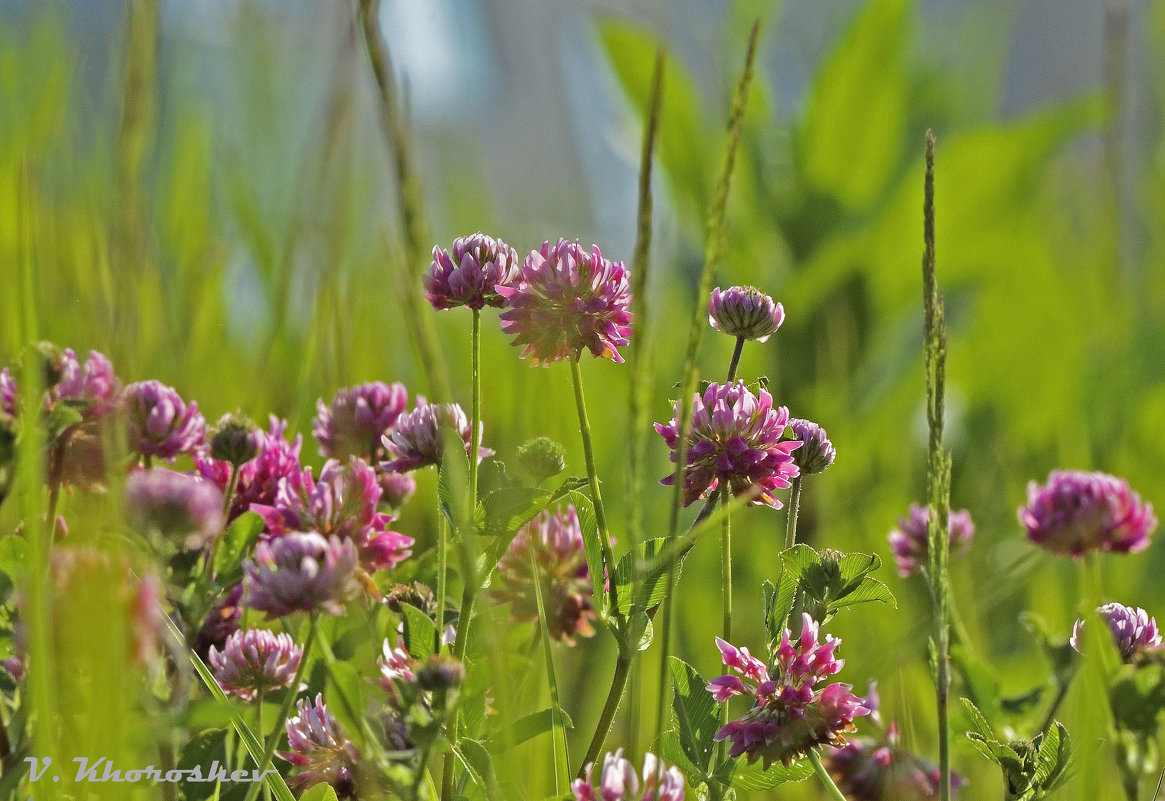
301,571
744,311
416,439
357,419
159,423
909,540
470,273
618,781
567,299
1075,512
735,439
255,660
1134,633
791,714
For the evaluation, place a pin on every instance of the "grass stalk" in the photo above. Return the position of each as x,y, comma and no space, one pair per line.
557,729
714,246
938,472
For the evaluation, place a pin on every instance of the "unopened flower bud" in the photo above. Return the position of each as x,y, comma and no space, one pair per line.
542,458
235,440
440,672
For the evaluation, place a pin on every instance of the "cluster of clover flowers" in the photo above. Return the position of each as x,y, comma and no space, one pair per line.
322,539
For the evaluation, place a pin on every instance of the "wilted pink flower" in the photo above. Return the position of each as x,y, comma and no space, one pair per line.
735,437
395,664
745,311
1076,512
566,299
867,770
909,543
159,423
357,419
556,541
179,507
470,273
255,660
790,715
221,622
1134,632
618,781
816,452
341,504
416,439
320,749
9,393
301,571
258,478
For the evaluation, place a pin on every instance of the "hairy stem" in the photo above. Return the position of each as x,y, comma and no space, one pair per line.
794,510
732,365
823,775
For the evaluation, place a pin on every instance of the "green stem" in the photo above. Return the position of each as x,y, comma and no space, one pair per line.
732,365
607,716
823,775
475,416
285,708
227,500
794,510
726,600
593,476
557,730
259,724
442,572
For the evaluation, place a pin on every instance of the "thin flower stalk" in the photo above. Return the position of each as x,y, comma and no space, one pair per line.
826,781
557,730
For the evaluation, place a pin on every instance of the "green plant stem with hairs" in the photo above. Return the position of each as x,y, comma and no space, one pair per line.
822,774
714,246
794,510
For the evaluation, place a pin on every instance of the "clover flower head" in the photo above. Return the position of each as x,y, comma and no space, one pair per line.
469,273
745,311
556,542
258,478
416,440
255,660
1135,633
94,383
566,299
9,393
319,747
1076,511
870,770
791,713
816,452
357,418
395,488
909,540
159,423
177,506
342,504
735,439
617,781
301,571
395,664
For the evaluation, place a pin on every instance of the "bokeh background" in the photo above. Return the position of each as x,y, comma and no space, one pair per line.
207,194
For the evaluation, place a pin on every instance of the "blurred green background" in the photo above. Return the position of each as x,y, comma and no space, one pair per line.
207,195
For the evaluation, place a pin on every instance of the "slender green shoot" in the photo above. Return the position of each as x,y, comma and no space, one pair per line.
557,730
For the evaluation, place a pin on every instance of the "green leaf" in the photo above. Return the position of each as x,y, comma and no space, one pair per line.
778,604
694,711
453,478
979,682
60,418
201,750
684,140
345,691
850,142
594,551
978,720
420,632
534,725
477,763
755,777
236,541
321,792
653,586
1052,758
504,511
668,747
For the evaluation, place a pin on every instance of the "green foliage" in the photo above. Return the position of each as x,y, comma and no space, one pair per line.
1031,768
